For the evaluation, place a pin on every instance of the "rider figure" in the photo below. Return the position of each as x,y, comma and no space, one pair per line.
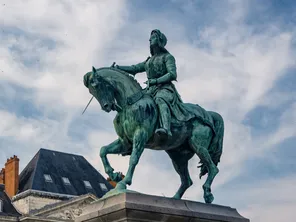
161,71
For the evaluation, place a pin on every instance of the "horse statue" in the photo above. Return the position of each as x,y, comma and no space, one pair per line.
137,119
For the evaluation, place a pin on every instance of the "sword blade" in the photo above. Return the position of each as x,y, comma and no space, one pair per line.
87,105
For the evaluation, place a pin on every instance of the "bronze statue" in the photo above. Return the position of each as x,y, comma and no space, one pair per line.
156,118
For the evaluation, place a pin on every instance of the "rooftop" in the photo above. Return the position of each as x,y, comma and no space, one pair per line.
6,207
62,173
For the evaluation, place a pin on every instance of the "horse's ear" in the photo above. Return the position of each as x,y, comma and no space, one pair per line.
94,70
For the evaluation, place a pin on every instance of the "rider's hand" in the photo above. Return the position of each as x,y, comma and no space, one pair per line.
114,65
152,82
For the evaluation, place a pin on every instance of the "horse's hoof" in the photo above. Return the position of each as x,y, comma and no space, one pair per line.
117,177
209,198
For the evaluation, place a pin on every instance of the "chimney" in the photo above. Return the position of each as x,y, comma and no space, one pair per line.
2,176
11,178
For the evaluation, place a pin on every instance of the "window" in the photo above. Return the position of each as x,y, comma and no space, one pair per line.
66,181
73,158
48,178
1,205
103,187
87,184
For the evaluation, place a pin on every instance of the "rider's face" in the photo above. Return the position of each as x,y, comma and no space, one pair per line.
153,39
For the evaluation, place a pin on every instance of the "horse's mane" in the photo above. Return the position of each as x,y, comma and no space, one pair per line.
131,78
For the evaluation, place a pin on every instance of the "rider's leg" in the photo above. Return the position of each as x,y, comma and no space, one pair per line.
163,97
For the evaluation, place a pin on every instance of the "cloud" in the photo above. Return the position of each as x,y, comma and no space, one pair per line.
77,32
224,64
271,200
45,50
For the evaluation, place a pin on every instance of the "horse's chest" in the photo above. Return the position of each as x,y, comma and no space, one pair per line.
130,122
124,126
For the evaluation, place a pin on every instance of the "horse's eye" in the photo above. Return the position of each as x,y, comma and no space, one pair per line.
93,82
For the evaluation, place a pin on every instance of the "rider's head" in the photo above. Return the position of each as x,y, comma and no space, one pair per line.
157,39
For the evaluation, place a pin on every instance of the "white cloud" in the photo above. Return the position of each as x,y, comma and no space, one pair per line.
272,200
79,32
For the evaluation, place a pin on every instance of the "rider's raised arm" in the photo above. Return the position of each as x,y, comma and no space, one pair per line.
171,75
133,69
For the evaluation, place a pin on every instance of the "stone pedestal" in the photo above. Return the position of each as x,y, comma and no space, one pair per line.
138,207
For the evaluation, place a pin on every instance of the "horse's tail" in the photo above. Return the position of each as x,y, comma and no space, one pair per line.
216,145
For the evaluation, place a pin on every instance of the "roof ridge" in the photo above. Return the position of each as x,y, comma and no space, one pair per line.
37,155
28,164
95,169
56,151
34,172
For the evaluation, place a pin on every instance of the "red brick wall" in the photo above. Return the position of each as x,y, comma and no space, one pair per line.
2,176
11,176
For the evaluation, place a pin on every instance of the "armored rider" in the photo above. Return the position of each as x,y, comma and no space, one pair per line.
161,71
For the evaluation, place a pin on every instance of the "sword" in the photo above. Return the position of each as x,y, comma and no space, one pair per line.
93,96
87,104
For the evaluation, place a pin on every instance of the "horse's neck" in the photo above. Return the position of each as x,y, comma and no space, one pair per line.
125,87
124,91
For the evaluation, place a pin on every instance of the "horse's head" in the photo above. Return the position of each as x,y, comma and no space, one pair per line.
101,89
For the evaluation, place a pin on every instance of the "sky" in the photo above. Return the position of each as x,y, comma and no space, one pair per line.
235,57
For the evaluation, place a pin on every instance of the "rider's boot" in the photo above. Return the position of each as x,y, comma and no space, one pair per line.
164,132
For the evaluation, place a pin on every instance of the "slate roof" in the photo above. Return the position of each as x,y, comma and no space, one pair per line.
7,207
58,164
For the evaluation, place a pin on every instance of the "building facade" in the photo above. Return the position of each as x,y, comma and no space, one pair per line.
54,186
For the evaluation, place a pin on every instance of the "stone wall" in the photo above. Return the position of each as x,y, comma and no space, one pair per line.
27,204
8,218
32,200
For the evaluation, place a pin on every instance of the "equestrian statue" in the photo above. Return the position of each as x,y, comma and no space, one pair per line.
156,118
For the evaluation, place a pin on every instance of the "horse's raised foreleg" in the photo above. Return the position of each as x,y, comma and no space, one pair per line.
200,141
139,140
116,147
180,159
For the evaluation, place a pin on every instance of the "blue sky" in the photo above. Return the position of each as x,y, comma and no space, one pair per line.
236,57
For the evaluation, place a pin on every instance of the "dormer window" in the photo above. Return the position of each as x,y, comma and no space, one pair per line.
103,187
47,178
87,184
66,181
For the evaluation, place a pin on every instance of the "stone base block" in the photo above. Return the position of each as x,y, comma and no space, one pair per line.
146,208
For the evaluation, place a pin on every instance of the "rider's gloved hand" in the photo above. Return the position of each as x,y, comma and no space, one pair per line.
116,66
152,82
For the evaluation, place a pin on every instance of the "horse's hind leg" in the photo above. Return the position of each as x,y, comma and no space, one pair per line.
116,147
180,157
200,141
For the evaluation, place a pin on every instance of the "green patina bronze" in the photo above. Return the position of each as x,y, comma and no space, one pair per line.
156,118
